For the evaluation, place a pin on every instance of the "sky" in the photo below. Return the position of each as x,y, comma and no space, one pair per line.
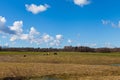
59,23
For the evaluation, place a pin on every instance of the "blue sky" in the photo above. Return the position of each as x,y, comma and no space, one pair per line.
57,23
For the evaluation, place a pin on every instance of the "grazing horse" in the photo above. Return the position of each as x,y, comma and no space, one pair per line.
47,53
55,53
25,56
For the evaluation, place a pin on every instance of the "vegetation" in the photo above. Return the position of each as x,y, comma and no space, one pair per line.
65,49
64,65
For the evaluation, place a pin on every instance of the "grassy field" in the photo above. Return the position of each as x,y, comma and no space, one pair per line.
65,65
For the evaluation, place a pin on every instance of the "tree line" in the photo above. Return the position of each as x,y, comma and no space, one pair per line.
65,49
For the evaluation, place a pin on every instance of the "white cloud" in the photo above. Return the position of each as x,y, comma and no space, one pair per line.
3,28
31,36
81,2
17,27
55,43
36,9
19,37
16,32
70,41
33,31
2,21
105,22
47,38
110,23
57,40
24,37
34,37
113,24
13,38
59,37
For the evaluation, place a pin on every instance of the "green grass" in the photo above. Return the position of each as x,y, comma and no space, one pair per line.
117,54
15,53
62,57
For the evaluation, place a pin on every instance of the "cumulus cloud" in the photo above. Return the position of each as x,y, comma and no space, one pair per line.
22,36
69,41
105,22
110,23
2,21
35,9
55,43
3,28
59,37
7,30
33,31
34,37
47,38
81,2
13,38
17,27
57,40
16,32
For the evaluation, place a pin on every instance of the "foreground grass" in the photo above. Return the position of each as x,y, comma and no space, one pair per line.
65,65
64,71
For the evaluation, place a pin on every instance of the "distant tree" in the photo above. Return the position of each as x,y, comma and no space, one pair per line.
0,48
103,50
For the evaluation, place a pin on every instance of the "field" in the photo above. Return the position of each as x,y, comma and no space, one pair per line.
63,66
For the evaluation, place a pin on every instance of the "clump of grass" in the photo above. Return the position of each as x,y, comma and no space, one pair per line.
63,71
18,73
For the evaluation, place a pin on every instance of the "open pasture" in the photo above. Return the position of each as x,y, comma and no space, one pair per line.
64,65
